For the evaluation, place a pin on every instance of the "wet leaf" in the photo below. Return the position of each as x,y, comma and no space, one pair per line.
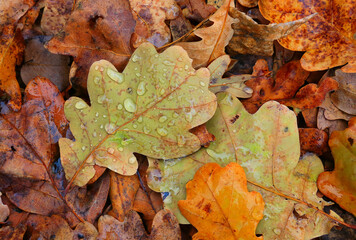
150,16
253,38
219,205
11,49
213,38
165,226
235,85
55,15
147,117
266,145
284,88
313,140
330,31
40,62
28,137
339,185
91,37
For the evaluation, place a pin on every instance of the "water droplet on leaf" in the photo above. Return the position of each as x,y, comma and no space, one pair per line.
162,119
111,150
110,128
80,105
162,131
130,105
141,89
115,75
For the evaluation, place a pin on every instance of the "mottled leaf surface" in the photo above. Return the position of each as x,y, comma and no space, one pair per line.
266,145
219,205
148,109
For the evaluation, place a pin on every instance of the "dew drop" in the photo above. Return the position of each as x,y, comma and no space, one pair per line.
277,231
132,160
156,55
141,89
96,114
104,116
189,117
97,80
180,69
139,119
135,58
180,59
101,98
121,149
168,63
125,142
170,97
83,148
82,126
175,115
101,69
162,91
101,126
180,140
96,67
134,126
80,105
138,74
171,123
202,84
162,131
119,106
115,75
234,131
94,134
130,105
186,67
247,90
165,70
110,128
162,119
111,150
146,130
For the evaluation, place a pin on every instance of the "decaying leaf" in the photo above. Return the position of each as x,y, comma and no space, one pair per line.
345,97
28,137
196,10
331,112
165,226
12,11
150,16
253,38
55,15
235,85
213,38
284,87
11,49
328,37
12,233
40,62
266,145
148,108
4,210
339,185
330,125
94,32
313,140
219,205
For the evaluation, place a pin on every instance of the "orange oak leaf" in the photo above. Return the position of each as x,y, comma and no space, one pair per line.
219,205
12,11
339,184
289,78
28,138
165,226
328,38
11,49
94,35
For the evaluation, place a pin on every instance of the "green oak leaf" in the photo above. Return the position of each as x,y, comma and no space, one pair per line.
148,109
235,85
266,145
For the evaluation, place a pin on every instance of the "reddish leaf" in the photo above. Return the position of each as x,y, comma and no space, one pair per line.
11,11
204,136
313,140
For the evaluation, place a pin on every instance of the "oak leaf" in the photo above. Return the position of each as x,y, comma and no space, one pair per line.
150,16
313,140
196,10
165,226
55,15
332,112
91,37
253,38
4,210
214,38
327,38
148,109
11,49
219,205
12,11
339,184
28,137
266,145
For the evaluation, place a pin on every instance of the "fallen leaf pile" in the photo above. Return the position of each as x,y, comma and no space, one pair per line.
186,119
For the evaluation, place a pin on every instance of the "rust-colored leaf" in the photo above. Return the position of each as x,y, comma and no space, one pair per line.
13,233
11,49
220,206
165,226
196,10
328,38
4,210
313,140
94,32
11,11
55,15
339,185
204,136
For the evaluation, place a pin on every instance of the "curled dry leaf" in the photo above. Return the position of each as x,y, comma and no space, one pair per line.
90,37
266,145
327,38
196,10
12,11
131,113
28,137
4,210
331,112
11,49
330,125
219,205
235,85
55,15
289,78
253,38
339,184
40,62
150,16
165,226
213,38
